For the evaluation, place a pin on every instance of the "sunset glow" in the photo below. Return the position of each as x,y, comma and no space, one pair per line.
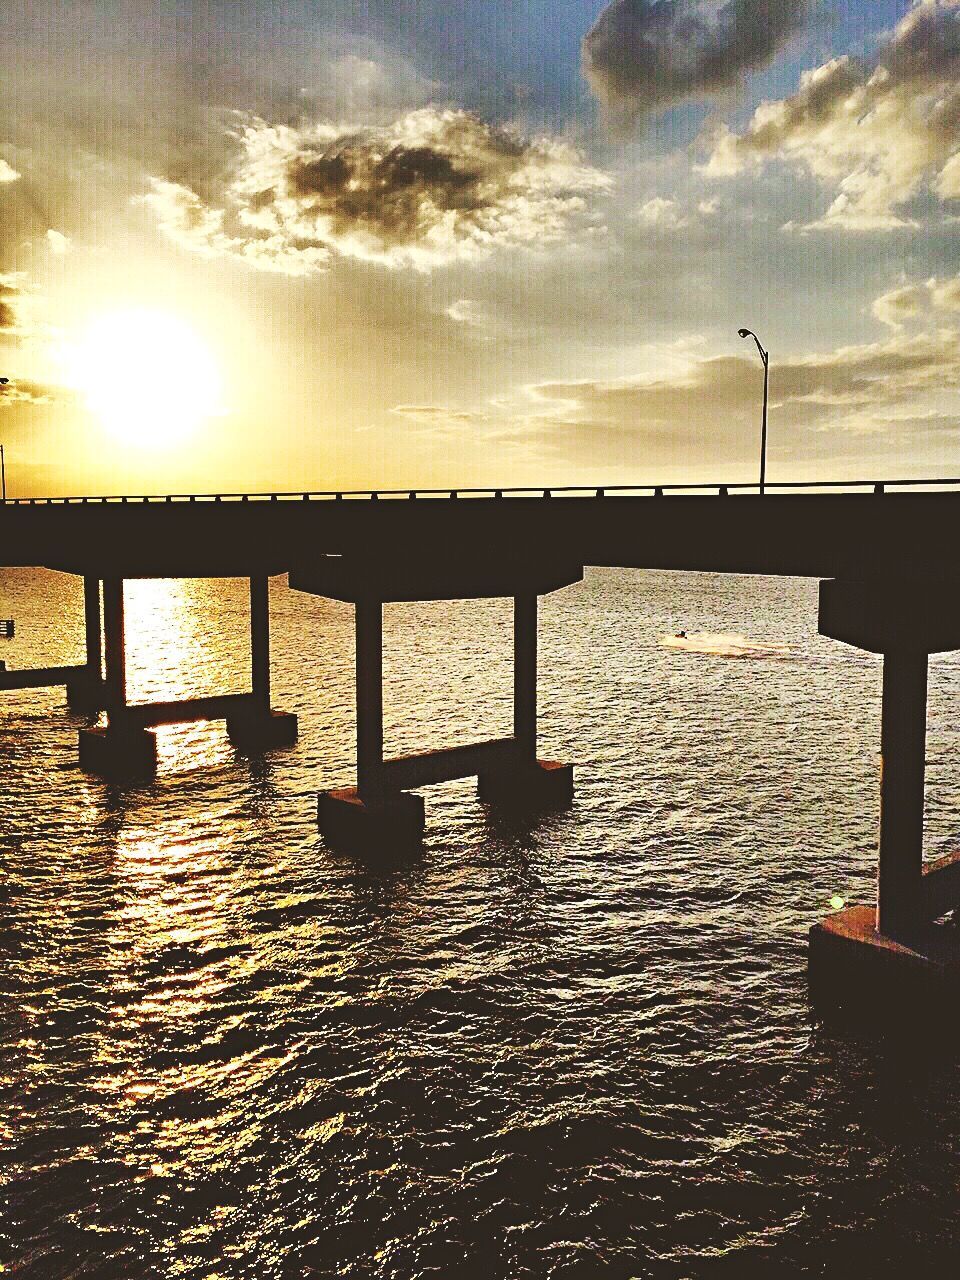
479,640
418,246
147,376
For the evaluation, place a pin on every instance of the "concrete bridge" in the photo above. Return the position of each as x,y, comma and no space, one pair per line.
887,554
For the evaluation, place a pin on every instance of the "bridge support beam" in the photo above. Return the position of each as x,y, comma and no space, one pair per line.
894,954
83,684
380,813
125,748
373,815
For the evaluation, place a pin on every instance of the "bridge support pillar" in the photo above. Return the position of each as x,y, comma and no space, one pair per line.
526,782
126,749
122,750
380,813
894,955
903,739
85,689
256,726
372,815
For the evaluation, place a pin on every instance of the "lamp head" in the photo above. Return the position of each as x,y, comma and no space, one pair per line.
744,333
4,381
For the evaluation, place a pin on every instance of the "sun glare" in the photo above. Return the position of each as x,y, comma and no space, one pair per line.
148,377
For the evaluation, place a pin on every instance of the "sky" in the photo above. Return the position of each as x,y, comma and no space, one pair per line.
327,244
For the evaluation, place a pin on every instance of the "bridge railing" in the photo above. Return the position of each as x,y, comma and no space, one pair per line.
877,487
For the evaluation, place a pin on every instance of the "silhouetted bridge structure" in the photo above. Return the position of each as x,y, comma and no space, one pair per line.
887,555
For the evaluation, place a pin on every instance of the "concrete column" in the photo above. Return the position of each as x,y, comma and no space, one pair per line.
369,698
123,751
260,640
903,750
525,675
115,682
84,686
91,622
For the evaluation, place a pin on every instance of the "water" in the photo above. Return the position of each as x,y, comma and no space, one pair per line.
579,1047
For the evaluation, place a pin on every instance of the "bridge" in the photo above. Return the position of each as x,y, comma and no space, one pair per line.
887,554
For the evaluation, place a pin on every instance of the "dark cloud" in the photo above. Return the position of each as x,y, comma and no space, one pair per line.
12,326
879,131
926,44
385,189
19,392
13,329
433,187
646,55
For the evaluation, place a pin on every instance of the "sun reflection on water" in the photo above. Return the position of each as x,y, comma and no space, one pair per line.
227,1047
172,915
187,638
186,956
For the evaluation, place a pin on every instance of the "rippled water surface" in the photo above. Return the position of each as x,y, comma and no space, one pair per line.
573,1048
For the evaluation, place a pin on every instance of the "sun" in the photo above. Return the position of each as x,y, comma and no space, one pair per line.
147,375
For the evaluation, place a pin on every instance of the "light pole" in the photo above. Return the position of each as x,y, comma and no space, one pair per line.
3,465
765,357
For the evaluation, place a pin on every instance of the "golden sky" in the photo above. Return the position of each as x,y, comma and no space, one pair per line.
456,242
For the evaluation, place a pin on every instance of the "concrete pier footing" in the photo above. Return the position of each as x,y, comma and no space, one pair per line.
347,821
545,784
874,980
118,754
254,731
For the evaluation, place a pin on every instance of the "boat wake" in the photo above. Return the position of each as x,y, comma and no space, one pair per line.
724,645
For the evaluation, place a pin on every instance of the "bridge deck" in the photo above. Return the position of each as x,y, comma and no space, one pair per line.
812,530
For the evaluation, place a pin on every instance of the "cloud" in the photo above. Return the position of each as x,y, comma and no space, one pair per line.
683,414
878,133
184,218
7,172
711,409
439,417
849,378
475,317
20,392
661,214
57,242
467,311
945,294
910,301
898,305
647,55
13,326
433,187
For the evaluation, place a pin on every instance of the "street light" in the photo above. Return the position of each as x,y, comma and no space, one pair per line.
765,357
3,467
